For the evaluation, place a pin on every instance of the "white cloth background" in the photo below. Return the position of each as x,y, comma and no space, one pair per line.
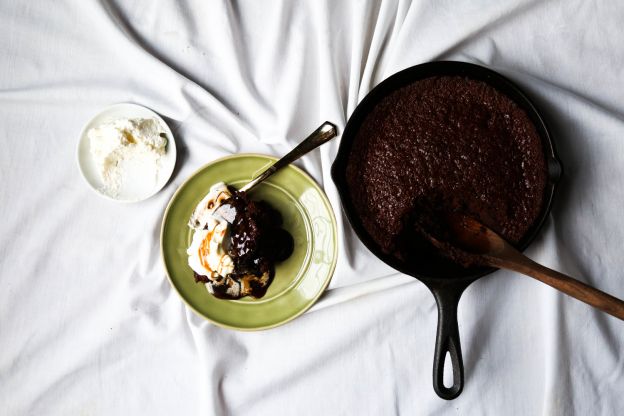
89,324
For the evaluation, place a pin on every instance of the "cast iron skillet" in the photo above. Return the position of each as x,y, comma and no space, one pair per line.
446,283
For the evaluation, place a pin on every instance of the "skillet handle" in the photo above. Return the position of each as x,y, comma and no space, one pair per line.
447,341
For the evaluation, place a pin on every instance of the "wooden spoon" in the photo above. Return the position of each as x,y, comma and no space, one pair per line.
473,237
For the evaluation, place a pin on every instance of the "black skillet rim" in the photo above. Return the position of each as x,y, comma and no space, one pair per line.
410,75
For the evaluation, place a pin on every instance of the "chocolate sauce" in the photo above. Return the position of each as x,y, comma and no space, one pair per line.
255,243
445,144
257,240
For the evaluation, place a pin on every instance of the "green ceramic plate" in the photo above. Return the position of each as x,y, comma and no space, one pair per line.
298,281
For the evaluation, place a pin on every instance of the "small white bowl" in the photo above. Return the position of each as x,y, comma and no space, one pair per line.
130,191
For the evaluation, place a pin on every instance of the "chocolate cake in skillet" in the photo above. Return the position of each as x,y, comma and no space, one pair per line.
439,145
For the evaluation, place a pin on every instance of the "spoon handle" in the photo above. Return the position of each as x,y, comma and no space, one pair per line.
566,284
323,134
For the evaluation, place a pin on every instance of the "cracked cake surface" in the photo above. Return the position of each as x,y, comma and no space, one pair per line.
445,144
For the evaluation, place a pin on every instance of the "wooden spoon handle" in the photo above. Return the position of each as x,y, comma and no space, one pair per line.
566,284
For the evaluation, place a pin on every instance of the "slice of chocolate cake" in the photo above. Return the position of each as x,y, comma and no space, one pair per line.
236,243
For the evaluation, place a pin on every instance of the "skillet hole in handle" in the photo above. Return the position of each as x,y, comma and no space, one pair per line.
447,345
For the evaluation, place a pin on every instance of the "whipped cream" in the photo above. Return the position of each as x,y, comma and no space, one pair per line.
127,149
206,254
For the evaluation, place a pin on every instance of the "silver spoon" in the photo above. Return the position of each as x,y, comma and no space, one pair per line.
321,135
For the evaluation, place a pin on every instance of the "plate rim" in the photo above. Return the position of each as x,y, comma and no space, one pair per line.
323,287
171,147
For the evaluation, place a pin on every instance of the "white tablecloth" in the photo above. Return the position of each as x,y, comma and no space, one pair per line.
89,324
